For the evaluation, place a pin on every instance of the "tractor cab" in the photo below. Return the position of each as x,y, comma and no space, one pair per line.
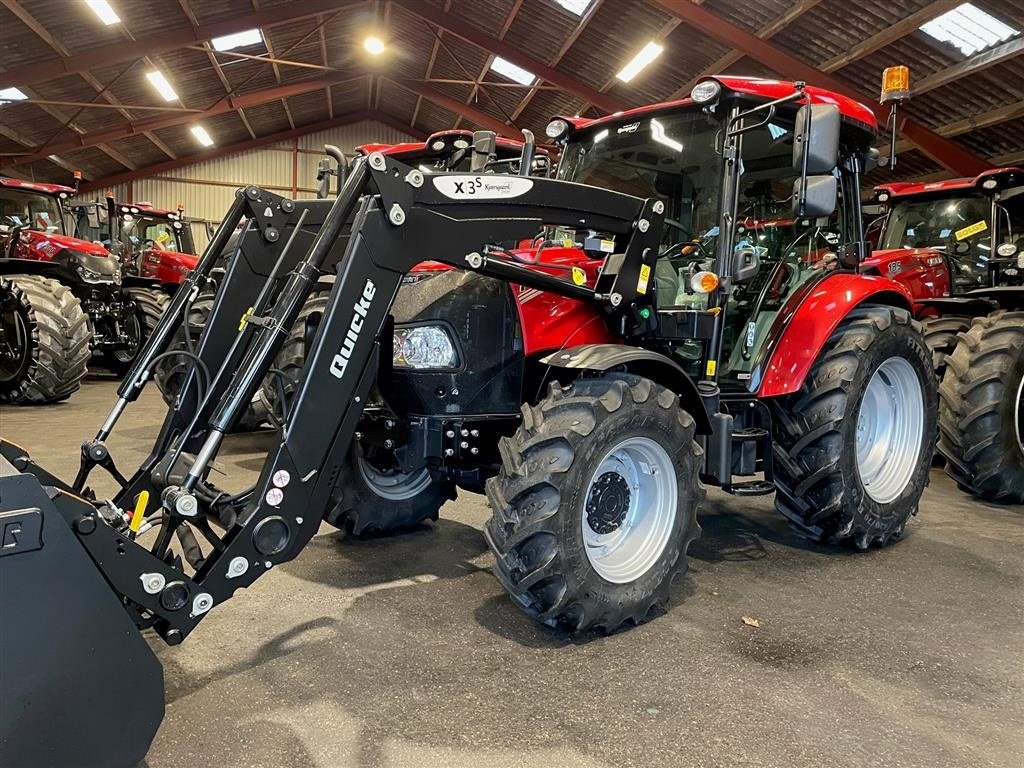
956,222
35,236
748,265
157,244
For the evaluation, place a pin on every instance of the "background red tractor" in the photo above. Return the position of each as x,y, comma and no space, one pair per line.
957,246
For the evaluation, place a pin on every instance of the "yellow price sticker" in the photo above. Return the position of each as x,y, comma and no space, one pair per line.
579,276
973,229
712,367
645,278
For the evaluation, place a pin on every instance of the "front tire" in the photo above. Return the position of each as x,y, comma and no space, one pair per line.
373,499
853,447
46,341
595,504
981,409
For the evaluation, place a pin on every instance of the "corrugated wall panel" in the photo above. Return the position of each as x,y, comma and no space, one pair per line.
206,189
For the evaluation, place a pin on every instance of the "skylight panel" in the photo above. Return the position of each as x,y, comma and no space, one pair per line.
575,7
512,72
969,29
237,40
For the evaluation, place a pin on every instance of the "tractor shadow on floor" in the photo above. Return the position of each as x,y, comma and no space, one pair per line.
444,549
730,536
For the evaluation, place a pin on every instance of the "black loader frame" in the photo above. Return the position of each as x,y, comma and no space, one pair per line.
396,208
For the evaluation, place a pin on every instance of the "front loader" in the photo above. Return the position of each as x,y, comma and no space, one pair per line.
91,693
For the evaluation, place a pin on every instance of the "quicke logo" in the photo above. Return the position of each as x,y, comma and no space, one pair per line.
355,327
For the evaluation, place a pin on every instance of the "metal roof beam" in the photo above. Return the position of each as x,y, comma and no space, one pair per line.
227,104
242,146
488,121
944,151
969,66
454,25
162,42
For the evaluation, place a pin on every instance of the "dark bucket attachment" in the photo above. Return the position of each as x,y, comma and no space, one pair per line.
79,686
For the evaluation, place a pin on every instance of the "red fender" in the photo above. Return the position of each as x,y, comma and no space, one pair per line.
807,320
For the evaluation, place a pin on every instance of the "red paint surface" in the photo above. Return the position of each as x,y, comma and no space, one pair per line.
43,246
902,189
922,271
748,86
806,326
46,189
167,266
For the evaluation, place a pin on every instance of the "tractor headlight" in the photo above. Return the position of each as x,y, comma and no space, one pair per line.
557,128
92,269
989,184
424,346
706,91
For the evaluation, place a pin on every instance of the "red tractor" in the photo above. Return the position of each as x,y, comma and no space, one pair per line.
63,298
804,368
957,246
639,347
158,243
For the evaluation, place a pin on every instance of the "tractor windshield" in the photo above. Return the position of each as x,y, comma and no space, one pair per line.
678,158
32,210
957,226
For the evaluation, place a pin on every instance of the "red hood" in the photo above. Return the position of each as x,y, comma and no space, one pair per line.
174,258
550,255
39,240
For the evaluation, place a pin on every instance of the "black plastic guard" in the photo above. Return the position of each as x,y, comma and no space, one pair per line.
79,686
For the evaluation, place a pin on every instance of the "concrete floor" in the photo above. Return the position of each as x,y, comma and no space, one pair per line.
406,652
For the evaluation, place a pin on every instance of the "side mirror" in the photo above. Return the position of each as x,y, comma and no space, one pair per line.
816,139
485,147
819,196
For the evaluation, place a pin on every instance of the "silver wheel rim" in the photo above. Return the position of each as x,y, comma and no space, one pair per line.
1018,414
890,427
625,533
392,484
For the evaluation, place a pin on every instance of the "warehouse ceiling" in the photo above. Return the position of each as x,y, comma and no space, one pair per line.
81,93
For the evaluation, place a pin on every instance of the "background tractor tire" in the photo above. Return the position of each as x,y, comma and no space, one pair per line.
832,432
368,500
981,409
48,337
940,334
292,356
150,305
556,501
171,372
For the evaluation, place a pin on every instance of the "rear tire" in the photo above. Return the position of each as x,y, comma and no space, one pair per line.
150,305
981,409
872,358
940,334
371,501
565,522
49,337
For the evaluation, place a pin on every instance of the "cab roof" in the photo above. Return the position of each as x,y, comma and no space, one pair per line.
755,87
416,150
46,189
149,209
1004,177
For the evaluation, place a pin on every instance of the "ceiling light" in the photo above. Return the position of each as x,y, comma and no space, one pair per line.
969,29
102,9
11,94
575,7
647,54
512,72
374,45
156,77
202,136
237,40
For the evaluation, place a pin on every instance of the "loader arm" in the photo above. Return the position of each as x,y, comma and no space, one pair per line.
397,209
